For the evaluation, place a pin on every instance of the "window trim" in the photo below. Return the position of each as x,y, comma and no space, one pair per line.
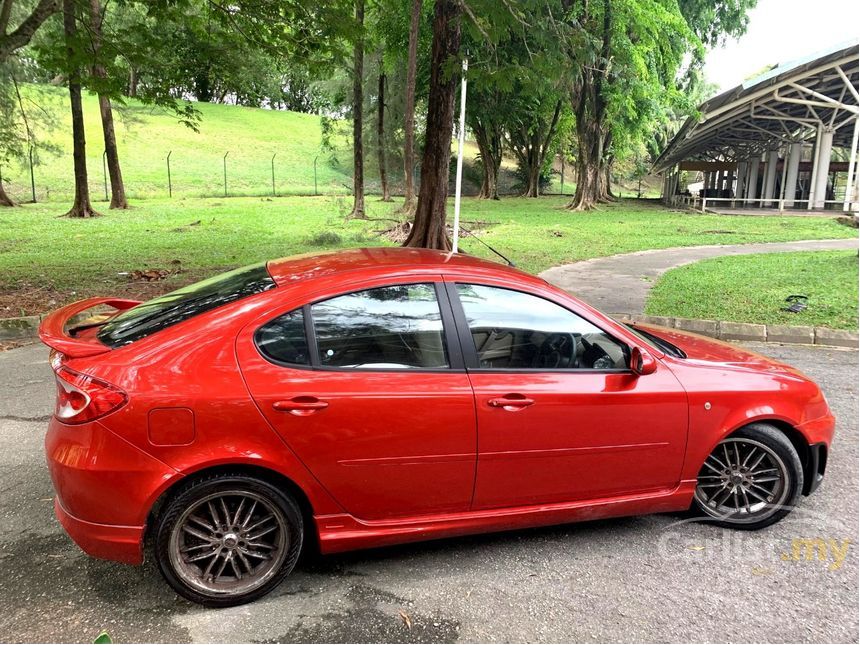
449,334
470,352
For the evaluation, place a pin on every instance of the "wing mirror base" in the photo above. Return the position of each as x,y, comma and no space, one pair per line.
641,362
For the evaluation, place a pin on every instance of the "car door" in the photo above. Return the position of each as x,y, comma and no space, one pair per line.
365,387
560,416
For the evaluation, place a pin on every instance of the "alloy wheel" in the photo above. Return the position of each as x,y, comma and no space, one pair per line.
229,543
742,481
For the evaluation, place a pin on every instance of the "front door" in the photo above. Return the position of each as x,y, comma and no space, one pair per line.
364,389
560,416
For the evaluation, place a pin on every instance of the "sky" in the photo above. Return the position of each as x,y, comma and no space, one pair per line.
780,31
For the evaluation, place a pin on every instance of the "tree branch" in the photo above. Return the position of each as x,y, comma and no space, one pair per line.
22,35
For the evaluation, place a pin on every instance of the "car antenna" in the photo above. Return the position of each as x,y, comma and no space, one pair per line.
510,263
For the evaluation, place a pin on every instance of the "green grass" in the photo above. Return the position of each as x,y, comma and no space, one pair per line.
753,288
46,260
145,135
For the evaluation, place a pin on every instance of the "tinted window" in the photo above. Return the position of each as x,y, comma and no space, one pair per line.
283,339
182,304
514,330
389,327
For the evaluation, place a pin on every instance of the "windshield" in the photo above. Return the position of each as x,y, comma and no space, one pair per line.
660,343
182,304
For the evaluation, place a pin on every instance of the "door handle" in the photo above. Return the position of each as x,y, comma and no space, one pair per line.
300,405
511,402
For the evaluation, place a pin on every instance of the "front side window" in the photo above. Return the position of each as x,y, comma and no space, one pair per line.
515,330
391,327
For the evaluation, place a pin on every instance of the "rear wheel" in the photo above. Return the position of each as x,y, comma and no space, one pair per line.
228,540
751,479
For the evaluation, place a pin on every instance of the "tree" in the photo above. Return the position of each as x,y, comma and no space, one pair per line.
357,116
117,187
531,138
81,206
10,41
380,132
625,56
409,117
429,228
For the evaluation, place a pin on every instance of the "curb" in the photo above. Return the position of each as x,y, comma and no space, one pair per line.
28,327
734,331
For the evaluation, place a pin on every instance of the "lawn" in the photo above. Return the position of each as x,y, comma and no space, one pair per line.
753,288
46,260
145,136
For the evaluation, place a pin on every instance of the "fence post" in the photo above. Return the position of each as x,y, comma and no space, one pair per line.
225,172
32,176
273,174
315,175
104,172
169,178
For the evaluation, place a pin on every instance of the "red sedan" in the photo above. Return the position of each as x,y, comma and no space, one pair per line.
375,396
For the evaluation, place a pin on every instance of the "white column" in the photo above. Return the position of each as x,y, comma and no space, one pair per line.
851,180
793,163
740,180
752,179
770,176
822,164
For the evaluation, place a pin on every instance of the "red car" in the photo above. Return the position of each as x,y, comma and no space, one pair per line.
369,397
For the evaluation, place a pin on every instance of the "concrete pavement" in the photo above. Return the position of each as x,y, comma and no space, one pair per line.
632,579
620,283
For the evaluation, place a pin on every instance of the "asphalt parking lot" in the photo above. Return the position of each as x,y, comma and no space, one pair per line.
634,579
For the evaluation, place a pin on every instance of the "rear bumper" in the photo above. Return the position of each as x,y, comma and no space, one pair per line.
105,541
105,488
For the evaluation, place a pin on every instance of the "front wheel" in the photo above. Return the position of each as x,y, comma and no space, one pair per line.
228,539
751,479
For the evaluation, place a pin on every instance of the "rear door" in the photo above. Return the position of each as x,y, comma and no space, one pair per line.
369,389
560,416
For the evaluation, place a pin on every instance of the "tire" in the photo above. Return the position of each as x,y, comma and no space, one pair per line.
228,539
751,479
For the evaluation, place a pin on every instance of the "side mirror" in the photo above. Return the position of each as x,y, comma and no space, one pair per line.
641,362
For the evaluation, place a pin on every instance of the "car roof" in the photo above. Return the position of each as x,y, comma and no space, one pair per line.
384,261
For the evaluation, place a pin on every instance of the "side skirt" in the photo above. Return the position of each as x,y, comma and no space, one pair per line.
343,532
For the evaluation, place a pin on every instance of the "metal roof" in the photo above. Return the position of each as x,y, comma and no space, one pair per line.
787,103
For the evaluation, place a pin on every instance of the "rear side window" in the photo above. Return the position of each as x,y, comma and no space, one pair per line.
283,339
182,304
392,327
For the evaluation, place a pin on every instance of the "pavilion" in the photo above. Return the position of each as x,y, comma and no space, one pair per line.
786,140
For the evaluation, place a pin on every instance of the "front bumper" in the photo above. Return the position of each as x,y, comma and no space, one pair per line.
105,488
818,434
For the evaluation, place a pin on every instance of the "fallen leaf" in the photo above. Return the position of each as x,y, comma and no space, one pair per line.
407,620
696,547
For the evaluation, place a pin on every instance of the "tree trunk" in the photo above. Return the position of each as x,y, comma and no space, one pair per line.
428,229
380,134
357,114
5,200
489,146
589,168
409,119
81,206
117,187
132,83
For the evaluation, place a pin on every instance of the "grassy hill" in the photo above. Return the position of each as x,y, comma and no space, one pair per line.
146,135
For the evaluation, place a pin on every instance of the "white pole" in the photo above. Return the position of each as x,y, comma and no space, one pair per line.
460,141
852,165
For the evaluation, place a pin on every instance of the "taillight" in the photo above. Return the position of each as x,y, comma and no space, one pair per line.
82,398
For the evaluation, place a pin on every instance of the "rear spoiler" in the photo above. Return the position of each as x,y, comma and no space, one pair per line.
52,331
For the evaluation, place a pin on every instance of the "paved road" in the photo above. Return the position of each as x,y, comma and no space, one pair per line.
634,579
620,283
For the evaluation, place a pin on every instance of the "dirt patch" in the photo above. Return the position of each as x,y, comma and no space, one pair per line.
28,299
400,231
